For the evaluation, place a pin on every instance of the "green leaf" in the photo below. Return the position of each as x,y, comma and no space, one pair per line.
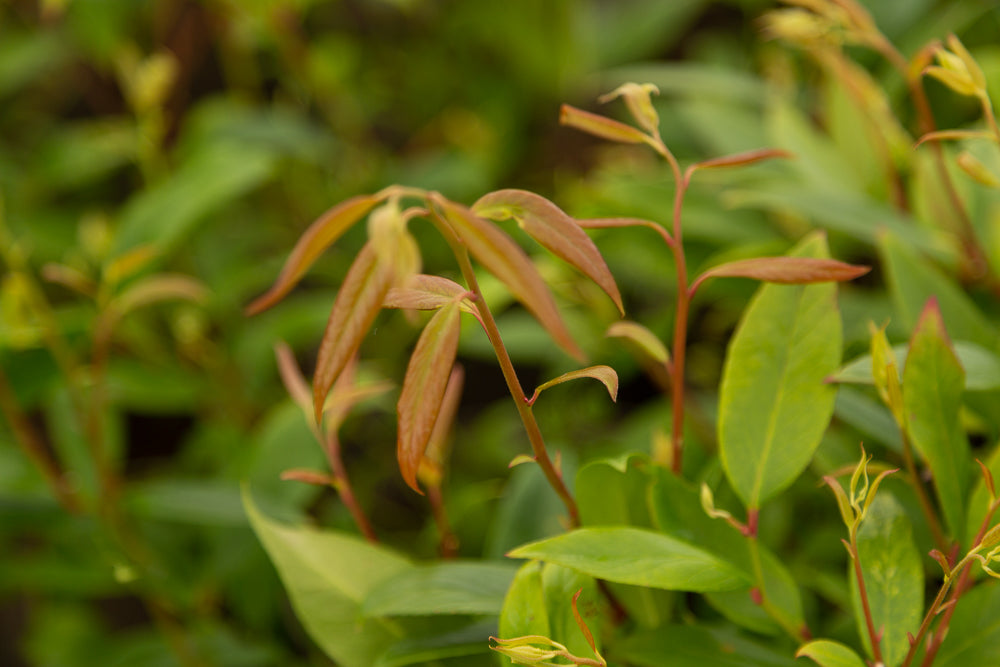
913,280
642,337
328,575
894,577
197,502
524,611
427,648
697,646
774,404
442,588
932,398
974,634
603,374
982,367
826,653
979,503
163,215
635,556
424,387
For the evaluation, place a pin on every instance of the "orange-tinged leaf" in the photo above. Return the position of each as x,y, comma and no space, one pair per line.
605,223
318,237
291,377
358,302
432,464
604,374
424,388
641,336
509,263
600,126
308,476
785,270
549,225
424,292
742,159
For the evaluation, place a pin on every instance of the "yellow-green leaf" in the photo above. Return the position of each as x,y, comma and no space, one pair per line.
641,336
603,374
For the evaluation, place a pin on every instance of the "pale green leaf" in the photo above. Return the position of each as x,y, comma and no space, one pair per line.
982,367
475,587
826,653
645,339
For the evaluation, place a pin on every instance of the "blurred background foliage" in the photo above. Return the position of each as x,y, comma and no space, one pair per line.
159,158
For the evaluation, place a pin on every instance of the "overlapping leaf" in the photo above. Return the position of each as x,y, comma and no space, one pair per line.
424,388
508,262
549,225
321,234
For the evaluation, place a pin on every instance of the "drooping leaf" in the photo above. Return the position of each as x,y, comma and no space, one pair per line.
328,575
932,398
549,225
826,653
358,303
320,235
635,556
785,270
508,262
604,374
475,587
774,405
642,337
424,388
894,578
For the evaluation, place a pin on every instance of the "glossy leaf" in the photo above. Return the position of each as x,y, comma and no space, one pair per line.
604,374
826,653
932,398
328,575
424,388
549,225
475,587
508,262
358,303
774,405
634,556
320,235
894,577
645,339
785,270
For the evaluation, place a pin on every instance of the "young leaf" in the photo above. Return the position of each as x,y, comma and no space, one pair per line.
774,404
785,270
604,374
508,262
320,236
826,653
328,575
639,557
424,388
742,159
424,292
640,105
894,577
641,336
549,225
932,397
358,303
600,126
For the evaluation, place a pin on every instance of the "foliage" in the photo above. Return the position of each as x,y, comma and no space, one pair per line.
767,263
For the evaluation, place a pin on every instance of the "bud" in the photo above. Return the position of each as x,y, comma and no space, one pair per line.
957,69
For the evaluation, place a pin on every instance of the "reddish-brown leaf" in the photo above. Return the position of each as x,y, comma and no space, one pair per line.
508,262
606,223
358,302
317,238
549,225
742,159
431,466
424,389
785,270
424,292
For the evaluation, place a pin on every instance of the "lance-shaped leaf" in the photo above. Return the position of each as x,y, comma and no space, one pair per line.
358,303
424,292
639,557
608,223
318,237
932,397
774,404
424,388
741,159
508,262
785,270
604,374
600,126
549,225
432,464
645,339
